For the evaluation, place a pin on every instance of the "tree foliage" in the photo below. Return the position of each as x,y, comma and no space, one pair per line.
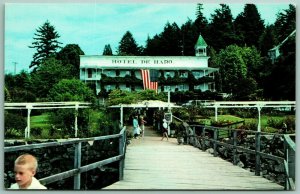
124,97
237,65
107,50
70,55
249,26
201,23
128,45
221,28
50,72
71,90
45,43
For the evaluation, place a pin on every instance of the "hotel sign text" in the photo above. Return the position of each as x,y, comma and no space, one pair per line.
141,61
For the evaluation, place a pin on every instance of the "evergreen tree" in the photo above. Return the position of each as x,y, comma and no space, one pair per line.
267,40
153,46
70,55
280,84
190,35
171,40
45,43
285,22
200,22
128,45
221,29
107,50
249,26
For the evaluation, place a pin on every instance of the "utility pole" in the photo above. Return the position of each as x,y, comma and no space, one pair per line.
15,67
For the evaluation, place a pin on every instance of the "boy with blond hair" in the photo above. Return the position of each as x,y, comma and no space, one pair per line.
25,169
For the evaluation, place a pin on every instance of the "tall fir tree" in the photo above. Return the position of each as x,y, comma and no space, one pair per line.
128,45
200,22
221,28
171,40
70,54
285,22
267,40
107,50
249,26
45,43
189,36
153,46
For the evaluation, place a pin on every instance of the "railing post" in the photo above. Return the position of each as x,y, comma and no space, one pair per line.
234,148
203,139
121,152
77,164
285,148
257,155
194,136
215,141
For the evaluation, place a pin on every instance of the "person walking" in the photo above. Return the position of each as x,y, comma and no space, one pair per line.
143,122
136,128
165,130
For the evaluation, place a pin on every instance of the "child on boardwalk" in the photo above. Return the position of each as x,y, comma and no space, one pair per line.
25,169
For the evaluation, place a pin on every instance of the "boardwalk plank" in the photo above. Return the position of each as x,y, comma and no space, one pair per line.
152,164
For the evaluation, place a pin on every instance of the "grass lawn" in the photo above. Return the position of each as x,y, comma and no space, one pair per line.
41,121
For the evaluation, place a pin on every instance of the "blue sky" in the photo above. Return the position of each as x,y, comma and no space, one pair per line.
91,26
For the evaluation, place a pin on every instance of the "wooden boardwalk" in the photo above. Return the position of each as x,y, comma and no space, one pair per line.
152,164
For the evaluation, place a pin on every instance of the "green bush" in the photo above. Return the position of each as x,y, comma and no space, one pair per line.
15,121
290,122
13,133
275,123
36,132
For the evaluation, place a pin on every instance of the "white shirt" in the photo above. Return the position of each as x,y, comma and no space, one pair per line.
35,184
165,125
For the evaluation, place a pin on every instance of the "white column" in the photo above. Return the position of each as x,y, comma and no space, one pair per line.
259,125
27,132
76,114
121,115
216,112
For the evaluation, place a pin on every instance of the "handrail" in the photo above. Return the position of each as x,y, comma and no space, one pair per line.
290,147
289,162
77,170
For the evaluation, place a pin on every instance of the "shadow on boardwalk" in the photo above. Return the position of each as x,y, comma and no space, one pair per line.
152,164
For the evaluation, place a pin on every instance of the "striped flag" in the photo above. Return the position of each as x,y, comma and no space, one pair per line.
149,78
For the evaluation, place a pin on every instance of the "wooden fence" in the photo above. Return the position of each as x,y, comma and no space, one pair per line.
289,147
78,169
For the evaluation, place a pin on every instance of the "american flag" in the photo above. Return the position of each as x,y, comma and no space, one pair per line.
149,79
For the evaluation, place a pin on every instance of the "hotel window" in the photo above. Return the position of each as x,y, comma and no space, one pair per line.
181,87
183,74
90,73
196,74
168,74
167,88
117,72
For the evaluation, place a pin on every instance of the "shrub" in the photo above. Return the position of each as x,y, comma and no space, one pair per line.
275,123
290,122
13,133
36,131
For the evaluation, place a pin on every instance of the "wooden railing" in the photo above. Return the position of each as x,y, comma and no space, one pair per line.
289,147
289,162
78,169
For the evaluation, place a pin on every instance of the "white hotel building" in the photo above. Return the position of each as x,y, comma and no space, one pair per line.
174,72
